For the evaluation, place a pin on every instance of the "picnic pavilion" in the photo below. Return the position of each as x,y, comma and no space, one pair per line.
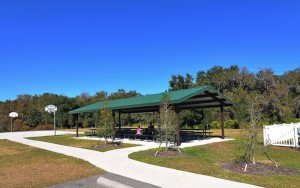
199,97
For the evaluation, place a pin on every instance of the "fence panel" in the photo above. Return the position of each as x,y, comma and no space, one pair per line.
282,135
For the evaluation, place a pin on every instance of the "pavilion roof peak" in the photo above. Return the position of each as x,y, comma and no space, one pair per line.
198,97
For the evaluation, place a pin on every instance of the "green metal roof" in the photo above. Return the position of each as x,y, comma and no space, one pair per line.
199,97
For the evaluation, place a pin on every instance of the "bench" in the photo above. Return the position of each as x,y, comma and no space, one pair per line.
195,133
88,134
140,136
130,133
208,133
125,133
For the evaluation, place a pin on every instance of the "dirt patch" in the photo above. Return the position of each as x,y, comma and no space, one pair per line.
167,154
259,169
9,151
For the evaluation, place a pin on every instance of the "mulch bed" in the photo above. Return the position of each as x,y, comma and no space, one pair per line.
168,154
259,169
108,145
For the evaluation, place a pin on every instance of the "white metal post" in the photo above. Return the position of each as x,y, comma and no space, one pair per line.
12,115
295,136
11,121
54,125
52,108
295,132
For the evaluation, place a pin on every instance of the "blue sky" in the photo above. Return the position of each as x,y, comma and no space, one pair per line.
70,47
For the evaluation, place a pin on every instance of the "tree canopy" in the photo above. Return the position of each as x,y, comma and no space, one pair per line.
280,94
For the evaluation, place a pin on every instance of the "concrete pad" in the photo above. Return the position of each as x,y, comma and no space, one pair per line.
111,184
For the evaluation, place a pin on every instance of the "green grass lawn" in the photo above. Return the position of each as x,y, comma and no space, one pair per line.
69,140
26,166
207,160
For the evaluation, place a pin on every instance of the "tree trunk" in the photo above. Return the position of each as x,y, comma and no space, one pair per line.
252,151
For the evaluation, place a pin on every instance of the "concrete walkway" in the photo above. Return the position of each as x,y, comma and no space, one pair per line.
117,162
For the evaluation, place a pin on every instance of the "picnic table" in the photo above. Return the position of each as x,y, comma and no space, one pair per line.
130,133
93,132
147,134
195,133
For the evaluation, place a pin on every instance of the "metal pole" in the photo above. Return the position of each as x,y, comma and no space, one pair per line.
11,120
295,136
222,122
77,117
119,123
54,125
178,141
114,125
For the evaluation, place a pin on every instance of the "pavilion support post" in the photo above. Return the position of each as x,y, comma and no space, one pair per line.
178,141
114,125
119,124
77,117
222,122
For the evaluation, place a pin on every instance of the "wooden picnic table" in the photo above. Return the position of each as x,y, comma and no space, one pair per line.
195,132
94,130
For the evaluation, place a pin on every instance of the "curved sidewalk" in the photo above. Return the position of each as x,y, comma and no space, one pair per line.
117,161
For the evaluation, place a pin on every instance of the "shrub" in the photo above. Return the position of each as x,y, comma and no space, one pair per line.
44,127
232,124
291,120
4,126
264,122
215,125
17,125
25,128
135,125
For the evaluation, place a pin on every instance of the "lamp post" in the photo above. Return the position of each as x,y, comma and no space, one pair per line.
52,108
12,115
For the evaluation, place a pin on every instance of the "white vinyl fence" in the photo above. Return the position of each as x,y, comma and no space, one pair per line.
282,135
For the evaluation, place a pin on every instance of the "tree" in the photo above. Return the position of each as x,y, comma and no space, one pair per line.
215,75
201,78
121,94
34,118
245,79
193,117
178,82
166,122
188,81
105,124
265,80
99,96
255,111
24,104
85,122
71,120
255,108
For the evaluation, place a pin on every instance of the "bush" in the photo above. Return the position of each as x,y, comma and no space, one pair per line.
44,127
264,122
215,125
291,120
17,125
232,124
25,128
135,125
4,126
